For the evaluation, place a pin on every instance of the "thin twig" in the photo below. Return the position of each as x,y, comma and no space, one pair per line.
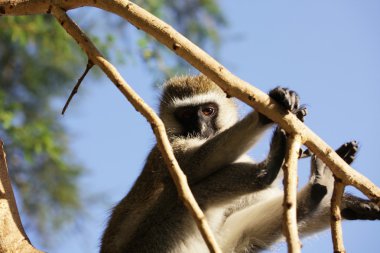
336,218
76,87
289,227
157,125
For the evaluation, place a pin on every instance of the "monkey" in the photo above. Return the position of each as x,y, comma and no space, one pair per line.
240,197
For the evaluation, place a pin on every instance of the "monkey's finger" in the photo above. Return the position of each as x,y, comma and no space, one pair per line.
301,113
295,100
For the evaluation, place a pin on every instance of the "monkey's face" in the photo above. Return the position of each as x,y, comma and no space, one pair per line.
199,116
194,106
198,120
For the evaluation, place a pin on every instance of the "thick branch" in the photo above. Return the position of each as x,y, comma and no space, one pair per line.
158,127
290,228
12,235
336,218
231,84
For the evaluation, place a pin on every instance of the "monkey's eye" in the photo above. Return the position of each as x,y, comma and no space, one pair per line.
208,111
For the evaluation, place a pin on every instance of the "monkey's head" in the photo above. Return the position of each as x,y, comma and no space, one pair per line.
194,106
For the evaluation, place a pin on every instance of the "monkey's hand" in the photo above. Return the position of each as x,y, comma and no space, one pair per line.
321,176
290,100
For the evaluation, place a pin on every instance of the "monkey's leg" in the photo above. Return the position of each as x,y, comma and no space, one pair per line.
352,207
355,208
259,226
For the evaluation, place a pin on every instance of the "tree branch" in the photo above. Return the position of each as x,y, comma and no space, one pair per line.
158,127
336,217
290,228
231,84
12,235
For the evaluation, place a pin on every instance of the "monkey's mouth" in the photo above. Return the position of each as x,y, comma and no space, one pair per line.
198,133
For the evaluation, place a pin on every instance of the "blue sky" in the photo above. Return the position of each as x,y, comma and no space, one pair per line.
328,51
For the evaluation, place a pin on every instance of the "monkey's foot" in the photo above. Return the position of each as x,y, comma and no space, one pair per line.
355,208
348,151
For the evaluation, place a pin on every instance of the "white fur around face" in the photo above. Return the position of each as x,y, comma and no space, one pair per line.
197,99
227,114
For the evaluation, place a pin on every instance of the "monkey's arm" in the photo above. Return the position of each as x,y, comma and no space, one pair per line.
227,146
241,178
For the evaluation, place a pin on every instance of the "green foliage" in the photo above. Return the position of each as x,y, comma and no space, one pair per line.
39,64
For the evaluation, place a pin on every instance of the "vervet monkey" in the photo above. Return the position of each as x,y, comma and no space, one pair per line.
240,198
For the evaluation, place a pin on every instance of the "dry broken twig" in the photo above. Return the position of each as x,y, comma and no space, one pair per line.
76,87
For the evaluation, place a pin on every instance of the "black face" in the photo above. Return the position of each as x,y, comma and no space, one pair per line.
198,120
